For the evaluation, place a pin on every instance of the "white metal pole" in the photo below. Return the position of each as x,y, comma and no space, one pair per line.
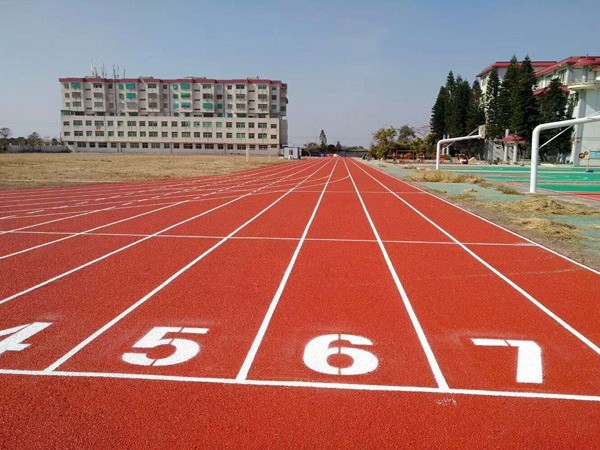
438,147
535,143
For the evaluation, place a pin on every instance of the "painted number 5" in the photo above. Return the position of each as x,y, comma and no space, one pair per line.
185,349
319,349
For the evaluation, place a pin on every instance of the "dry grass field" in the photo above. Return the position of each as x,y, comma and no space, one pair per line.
28,170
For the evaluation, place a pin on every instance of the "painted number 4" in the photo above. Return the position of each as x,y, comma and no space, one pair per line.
14,343
184,349
529,357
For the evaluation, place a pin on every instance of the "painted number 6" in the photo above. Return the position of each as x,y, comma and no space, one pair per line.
319,349
185,349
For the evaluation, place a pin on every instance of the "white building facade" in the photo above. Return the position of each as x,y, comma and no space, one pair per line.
580,76
187,115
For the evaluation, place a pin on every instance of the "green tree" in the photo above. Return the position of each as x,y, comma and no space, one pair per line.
406,133
437,124
456,124
322,140
524,115
507,95
384,142
492,107
552,108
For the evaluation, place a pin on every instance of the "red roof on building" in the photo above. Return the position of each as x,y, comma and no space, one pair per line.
512,138
575,61
504,64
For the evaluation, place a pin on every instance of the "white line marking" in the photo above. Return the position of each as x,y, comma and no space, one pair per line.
247,364
490,222
114,252
309,384
165,283
503,277
435,368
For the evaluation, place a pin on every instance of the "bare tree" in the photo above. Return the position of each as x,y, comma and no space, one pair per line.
34,141
4,135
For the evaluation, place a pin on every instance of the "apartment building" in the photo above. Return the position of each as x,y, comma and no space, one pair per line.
186,115
580,76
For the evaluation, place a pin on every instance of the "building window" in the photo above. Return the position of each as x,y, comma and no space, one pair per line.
153,134
88,133
155,145
144,145
240,135
262,125
262,86
164,124
186,134
250,124
251,135
174,134
92,145
153,124
273,136
228,124
164,134
207,134
99,133
132,134
78,133
134,145
197,124
130,86
110,123
173,124
185,124
142,134
102,144
196,134
262,135
229,135
77,123
273,125
219,135
240,125
111,133
241,147
120,133
81,144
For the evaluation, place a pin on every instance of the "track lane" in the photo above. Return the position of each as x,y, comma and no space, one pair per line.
445,280
331,290
189,296
77,305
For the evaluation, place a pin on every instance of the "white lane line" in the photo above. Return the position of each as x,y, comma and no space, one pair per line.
433,364
114,252
491,223
72,235
307,384
247,364
165,283
500,275
272,170
87,232
274,238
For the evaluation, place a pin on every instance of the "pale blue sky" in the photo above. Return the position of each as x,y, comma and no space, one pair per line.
351,66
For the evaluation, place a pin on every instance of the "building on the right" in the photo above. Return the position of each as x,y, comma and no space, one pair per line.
580,75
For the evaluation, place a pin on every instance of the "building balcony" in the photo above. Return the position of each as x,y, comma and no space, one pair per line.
583,84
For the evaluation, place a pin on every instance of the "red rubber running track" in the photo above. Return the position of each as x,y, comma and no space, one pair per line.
319,303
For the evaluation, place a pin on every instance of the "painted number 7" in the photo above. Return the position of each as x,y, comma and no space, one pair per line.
185,349
529,358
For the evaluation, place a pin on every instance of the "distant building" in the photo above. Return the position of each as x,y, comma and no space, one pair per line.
580,76
186,115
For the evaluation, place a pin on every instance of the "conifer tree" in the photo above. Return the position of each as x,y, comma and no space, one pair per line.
492,107
524,115
437,123
553,107
507,95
